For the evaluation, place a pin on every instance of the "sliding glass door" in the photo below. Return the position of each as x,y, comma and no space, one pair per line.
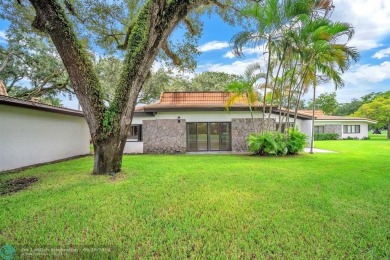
225,137
208,137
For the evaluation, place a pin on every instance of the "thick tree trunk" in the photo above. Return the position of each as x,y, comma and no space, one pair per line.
108,156
109,124
108,152
106,159
388,130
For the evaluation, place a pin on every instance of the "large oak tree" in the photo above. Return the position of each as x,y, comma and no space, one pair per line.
140,29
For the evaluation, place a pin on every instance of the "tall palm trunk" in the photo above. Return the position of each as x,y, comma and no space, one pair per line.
301,88
251,111
290,94
313,118
274,88
266,84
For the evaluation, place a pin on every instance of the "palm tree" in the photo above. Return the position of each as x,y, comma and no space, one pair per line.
244,89
325,58
273,18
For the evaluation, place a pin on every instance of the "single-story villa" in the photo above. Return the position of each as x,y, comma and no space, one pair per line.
198,121
344,126
33,133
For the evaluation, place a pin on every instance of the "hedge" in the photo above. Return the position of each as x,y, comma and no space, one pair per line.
326,136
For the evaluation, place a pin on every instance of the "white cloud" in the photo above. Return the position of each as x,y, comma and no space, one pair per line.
369,18
237,67
213,45
246,51
368,73
359,81
3,37
382,54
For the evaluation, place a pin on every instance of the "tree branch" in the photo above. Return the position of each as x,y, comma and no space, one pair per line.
47,79
225,6
51,18
5,61
190,27
173,56
124,45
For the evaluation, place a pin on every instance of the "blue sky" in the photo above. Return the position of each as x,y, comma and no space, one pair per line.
371,19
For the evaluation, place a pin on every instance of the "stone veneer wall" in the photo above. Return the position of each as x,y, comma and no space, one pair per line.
241,128
336,129
164,136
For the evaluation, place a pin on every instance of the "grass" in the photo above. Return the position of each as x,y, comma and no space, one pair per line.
215,206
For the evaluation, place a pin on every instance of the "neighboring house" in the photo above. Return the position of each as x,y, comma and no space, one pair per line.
198,121
344,126
34,133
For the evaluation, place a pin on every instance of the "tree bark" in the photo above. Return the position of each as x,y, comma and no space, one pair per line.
263,124
108,155
388,130
109,124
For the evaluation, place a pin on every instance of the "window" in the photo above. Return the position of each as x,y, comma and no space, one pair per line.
351,129
135,133
320,129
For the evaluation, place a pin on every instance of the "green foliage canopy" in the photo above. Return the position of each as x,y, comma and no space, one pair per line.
378,109
326,102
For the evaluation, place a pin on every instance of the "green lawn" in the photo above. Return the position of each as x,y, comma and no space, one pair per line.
309,206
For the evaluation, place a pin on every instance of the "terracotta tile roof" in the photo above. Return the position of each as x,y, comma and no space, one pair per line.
140,108
10,101
319,115
196,100
310,112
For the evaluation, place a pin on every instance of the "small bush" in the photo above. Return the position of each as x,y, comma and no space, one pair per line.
326,136
351,138
366,138
277,144
271,143
296,141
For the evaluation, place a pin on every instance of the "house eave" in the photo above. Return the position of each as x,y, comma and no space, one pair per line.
194,109
9,101
347,119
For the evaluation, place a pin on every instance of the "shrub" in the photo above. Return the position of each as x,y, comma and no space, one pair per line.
271,143
326,136
275,143
296,141
351,138
366,138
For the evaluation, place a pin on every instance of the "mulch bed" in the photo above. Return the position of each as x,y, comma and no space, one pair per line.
15,185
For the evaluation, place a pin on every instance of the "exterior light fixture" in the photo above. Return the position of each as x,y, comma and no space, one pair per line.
178,119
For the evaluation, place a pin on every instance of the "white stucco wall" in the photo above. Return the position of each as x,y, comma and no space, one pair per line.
363,127
134,147
210,116
29,137
306,128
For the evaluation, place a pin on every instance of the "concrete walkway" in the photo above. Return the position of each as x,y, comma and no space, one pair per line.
316,150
